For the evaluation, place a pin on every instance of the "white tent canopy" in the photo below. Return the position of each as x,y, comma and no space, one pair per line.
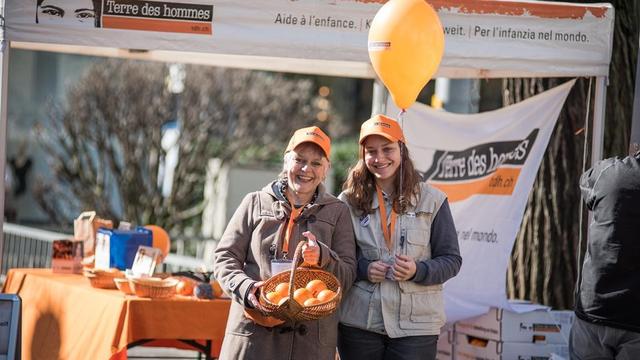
483,39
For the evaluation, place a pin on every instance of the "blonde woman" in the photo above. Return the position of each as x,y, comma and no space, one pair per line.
261,238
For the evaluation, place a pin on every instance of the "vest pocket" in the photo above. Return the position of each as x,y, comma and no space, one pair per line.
418,244
421,309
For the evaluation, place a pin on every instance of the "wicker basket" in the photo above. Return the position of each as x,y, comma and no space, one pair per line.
103,279
124,285
298,277
154,288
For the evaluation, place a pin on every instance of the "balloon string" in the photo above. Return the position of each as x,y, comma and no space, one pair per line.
401,195
401,199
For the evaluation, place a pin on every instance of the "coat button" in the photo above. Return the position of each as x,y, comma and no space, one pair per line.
302,329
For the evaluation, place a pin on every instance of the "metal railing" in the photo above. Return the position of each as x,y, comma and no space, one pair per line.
27,247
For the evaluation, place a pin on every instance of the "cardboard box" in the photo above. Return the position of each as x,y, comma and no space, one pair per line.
539,326
468,347
117,248
444,349
66,257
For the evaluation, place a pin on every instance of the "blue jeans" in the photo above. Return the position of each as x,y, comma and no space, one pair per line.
358,344
598,342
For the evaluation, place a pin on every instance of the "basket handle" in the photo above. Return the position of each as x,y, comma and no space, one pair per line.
294,266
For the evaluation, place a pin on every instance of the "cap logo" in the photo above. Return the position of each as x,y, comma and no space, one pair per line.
314,134
379,123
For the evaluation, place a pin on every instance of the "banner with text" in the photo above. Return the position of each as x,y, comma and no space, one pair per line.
486,164
561,38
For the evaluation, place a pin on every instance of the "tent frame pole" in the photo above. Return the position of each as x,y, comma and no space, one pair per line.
634,140
599,106
380,96
597,144
4,74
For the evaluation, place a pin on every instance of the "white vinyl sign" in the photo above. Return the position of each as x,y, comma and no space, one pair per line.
514,36
486,164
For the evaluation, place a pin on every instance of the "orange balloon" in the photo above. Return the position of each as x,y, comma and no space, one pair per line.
406,43
160,239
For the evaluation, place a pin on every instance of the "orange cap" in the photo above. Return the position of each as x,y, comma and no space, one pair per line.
383,126
312,134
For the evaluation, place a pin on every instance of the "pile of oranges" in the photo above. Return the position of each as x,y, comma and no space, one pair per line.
314,293
187,286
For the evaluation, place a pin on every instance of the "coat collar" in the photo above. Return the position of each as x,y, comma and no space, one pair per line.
281,206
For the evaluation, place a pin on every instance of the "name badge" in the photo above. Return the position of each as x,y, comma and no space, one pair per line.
364,221
278,266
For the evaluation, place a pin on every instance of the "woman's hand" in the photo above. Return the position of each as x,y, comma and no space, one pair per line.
257,313
311,250
404,268
253,295
377,271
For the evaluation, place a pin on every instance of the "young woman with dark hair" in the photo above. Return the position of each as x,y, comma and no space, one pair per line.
407,247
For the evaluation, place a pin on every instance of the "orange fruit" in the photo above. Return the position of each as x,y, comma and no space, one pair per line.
283,300
184,287
326,295
301,295
311,302
273,297
315,286
283,289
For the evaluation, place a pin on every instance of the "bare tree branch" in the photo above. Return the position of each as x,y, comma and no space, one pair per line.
105,148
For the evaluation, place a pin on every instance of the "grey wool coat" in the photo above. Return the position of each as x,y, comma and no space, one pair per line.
244,256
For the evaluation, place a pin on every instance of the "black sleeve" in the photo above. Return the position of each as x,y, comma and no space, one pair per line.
445,259
589,179
363,266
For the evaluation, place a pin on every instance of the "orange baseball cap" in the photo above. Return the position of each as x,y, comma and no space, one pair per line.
312,134
383,126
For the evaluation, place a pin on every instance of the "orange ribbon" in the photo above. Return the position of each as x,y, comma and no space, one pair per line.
295,212
387,231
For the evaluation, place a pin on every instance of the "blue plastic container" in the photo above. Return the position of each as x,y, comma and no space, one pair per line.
123,245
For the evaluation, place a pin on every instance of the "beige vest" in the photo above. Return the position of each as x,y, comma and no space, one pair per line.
407,308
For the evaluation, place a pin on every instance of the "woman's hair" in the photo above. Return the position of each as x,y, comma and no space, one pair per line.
360,186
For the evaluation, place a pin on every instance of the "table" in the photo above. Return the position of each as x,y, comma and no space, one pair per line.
63,317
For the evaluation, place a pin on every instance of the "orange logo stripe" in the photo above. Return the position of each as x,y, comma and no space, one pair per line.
501,182
174,26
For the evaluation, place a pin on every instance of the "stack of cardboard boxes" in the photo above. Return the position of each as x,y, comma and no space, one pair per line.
505,335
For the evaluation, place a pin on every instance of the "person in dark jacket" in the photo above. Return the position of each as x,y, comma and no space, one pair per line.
608,298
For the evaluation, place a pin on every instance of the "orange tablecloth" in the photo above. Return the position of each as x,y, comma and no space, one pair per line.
63,317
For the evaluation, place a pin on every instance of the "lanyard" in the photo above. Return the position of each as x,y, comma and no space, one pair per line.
386,231
295,212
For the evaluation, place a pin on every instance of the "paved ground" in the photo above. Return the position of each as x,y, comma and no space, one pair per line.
142,352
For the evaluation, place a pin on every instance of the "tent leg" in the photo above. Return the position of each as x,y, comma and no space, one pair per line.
380,96
600,103
634,141
597,139
4,73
